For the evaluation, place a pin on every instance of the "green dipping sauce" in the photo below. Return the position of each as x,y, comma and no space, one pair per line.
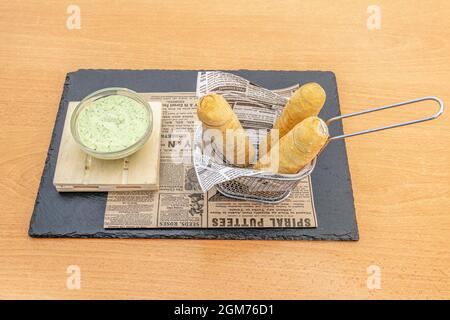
112,123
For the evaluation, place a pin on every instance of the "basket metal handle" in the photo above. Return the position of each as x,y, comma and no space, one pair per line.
434,116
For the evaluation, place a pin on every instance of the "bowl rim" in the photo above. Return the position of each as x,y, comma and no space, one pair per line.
102,93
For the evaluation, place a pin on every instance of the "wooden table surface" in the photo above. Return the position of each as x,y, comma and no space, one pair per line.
401,178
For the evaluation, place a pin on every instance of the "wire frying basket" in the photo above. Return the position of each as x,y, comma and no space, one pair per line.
273,188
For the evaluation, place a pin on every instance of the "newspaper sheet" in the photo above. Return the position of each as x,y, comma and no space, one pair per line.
180,202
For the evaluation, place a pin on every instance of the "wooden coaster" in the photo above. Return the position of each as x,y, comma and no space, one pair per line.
77,171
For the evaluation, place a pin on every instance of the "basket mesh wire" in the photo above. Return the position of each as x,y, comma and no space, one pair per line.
258,189
262,187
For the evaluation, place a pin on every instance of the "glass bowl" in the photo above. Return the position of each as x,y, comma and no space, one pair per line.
116,154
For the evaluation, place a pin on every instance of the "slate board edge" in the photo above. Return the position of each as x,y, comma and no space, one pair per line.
59,114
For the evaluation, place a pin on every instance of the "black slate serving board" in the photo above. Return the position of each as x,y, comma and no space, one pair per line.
80,215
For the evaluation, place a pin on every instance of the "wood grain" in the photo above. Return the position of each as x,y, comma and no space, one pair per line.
401,177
